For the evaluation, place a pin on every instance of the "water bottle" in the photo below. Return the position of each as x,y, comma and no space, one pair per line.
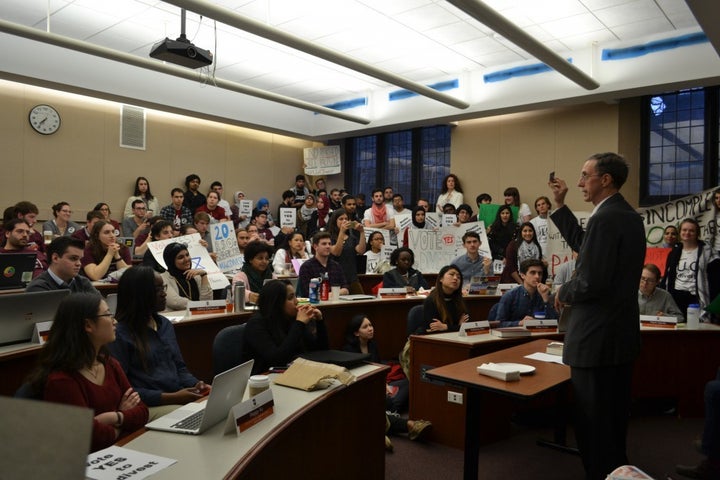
693,316
313,292
325,288
239,296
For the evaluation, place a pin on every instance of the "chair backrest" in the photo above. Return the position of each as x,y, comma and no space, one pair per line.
26,391
415,320
227,348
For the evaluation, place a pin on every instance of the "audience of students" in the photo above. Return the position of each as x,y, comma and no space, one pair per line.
142,192
65,257
451,192
524,247
295,248
348,241
104,208
161,230
184,283
103,255
212,208
686,268
281,329
512,197
256,269
146,348
374,255
139,223
75,368
90,219
522,302
61,223
321,264
403,275
653,300
177,213
444,309
501,232
193,199
17,236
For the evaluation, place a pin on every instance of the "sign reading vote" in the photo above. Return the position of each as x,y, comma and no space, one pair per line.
118,463
225,246
436,248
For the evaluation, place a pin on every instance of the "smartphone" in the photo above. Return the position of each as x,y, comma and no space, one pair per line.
353,225
552,177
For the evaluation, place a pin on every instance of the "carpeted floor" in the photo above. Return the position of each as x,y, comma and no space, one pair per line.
655,444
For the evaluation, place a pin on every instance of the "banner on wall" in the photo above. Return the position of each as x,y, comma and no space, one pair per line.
655,218
322,160
436,248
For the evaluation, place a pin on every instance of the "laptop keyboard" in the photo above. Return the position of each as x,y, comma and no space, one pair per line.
192,422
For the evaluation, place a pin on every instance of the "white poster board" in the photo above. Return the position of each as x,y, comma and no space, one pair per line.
322,160
199,255
225,246
436,248
288,217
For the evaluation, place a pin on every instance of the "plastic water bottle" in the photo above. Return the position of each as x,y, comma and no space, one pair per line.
325,288
693,316
313,290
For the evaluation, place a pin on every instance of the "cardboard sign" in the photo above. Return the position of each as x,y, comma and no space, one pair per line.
199,255
448,219
436,248
322,160
245,207
657,256
403,220
225,247
288,217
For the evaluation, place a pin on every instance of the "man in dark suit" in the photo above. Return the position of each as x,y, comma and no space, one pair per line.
603,337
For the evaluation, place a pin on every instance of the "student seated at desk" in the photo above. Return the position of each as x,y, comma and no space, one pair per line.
444,309
184,283
295,247
653,300
75,368
403,275
520,303
65,254
103,255
146,347
281,330
17,237
255,270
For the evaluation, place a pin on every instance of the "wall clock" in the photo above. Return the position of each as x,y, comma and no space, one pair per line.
44,119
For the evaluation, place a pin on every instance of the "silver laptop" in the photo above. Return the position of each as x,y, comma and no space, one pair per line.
195,418
19,312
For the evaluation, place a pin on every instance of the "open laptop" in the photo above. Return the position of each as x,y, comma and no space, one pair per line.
16,269
19,312
195,418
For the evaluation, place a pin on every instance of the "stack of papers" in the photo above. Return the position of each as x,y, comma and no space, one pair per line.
501,372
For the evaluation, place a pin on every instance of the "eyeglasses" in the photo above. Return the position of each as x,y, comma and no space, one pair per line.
649,281
584,176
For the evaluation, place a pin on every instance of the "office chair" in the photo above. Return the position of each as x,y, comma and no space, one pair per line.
415,321
227,348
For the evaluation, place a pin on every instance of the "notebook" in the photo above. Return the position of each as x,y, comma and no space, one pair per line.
16,269
21,311
195,418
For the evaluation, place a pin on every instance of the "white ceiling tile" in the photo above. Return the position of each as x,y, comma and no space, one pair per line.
574,25
635,11
426,17
453,33
629,31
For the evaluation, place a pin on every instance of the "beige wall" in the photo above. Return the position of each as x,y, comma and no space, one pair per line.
83,163
521,149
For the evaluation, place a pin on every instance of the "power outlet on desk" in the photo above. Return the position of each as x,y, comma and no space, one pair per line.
455,397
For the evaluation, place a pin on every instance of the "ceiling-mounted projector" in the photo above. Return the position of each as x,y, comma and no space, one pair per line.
181,52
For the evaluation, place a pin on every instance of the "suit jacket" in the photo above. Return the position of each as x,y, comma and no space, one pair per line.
604,326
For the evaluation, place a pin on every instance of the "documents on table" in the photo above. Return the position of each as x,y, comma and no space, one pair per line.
501,372
122,463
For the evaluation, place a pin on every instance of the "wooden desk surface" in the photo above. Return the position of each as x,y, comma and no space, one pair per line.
297,441
547,375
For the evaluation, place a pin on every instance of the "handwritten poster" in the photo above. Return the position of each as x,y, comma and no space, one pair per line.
225,247
322,160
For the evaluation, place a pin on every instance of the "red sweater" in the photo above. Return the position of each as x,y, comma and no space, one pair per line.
74,389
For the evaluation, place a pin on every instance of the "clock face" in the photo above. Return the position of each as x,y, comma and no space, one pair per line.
44,119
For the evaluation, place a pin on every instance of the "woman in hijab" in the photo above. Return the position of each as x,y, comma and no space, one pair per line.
184,283
255,270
